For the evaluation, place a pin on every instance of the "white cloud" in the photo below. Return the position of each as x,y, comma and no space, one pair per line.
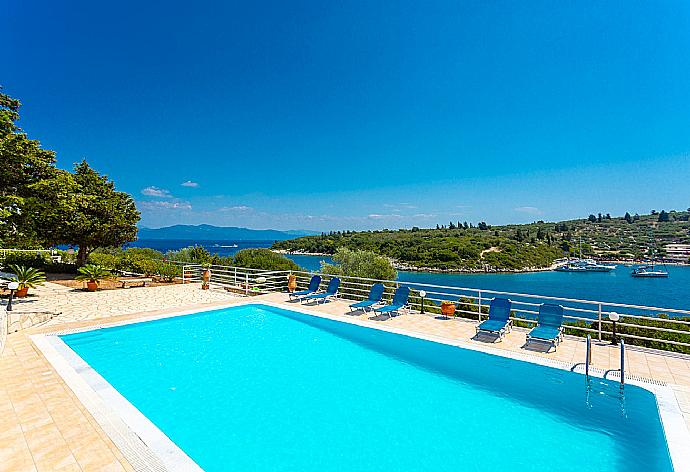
236,208
530,210
189,183
165,205
156,192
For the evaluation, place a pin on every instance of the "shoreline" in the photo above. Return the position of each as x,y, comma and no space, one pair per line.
408,268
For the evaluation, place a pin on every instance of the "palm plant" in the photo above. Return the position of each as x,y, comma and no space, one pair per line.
93,273
27,277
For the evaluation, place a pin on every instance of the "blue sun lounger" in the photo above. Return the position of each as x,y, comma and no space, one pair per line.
499,321
549,327
375,295
330,292
313,287
399,301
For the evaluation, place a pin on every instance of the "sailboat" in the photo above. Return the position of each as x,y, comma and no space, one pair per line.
584,265
650,270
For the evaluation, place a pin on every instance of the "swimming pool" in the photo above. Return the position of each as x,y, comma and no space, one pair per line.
257,387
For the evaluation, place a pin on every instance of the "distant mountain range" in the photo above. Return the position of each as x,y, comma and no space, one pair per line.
211,233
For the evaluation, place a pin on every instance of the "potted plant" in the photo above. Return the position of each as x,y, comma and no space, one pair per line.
292,282
206,276
26,277
447,308
92,274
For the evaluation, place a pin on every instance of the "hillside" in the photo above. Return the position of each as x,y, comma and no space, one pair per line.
537,245
214,233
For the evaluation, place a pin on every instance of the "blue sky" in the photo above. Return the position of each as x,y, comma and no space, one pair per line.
358,115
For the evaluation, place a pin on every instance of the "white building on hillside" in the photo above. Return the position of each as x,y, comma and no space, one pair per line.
678,252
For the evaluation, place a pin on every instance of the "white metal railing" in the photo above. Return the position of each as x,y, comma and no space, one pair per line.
5,251
582,317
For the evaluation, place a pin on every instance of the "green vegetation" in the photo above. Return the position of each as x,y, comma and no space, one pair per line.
263,259
27,277
93,273
41,205
510,247
151,262
359,263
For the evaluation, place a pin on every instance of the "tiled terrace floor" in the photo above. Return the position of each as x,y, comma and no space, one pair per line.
43,426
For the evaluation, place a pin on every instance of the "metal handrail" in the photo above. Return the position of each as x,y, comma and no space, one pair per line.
622,366
593,313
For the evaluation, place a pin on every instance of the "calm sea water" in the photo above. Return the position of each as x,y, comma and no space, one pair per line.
265,389
616,286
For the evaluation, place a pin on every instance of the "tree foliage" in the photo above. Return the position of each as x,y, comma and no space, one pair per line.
358,263
23,163
42,205
509,247
84,209
262,258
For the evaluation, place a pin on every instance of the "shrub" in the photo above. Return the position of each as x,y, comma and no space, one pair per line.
109,261
191,254
360,264
263,259
37,260
139,260
167,271
146,252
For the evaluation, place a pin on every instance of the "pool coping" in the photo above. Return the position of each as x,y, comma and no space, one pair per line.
147,448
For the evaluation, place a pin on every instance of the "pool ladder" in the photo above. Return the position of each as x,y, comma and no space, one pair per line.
622,369
588,361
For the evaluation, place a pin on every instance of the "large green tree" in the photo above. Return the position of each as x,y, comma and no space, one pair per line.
84,209
22,163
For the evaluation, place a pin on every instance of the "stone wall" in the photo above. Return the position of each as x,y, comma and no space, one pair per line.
18,320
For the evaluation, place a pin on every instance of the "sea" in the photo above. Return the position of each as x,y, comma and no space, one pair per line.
616,286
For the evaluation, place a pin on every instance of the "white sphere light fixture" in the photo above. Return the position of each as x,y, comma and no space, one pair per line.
422,293
613,316
13,285
260,280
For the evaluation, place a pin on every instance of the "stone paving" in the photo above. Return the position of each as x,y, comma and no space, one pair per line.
43,426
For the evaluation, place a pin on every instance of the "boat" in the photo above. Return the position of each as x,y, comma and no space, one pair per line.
584,265
649,271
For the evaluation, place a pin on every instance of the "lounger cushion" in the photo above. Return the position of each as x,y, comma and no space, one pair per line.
493,326
319,295
300,293
545,333
388,308
364,304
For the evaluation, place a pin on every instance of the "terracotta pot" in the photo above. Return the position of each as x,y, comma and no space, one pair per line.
205,279
22,292
292,282
448,309
91,286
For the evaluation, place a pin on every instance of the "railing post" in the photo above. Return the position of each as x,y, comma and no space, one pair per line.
588,359
184,274
246,283
599,318
622,363
235,276
479,317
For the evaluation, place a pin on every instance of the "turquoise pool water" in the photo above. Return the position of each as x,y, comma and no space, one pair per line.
255,387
